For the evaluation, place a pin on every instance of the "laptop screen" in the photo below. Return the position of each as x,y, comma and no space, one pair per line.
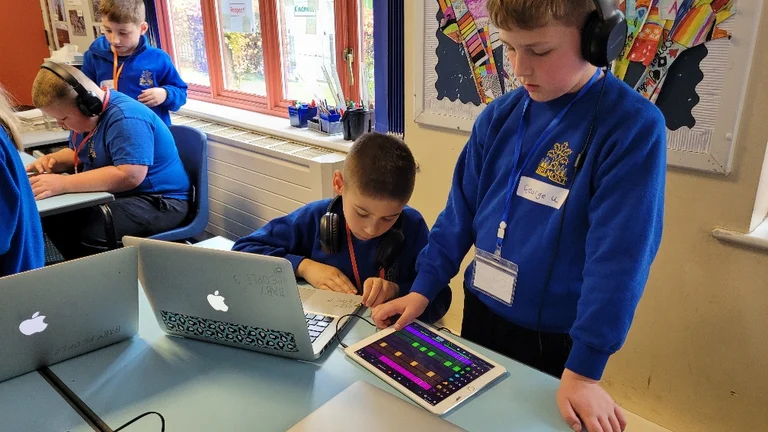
424,362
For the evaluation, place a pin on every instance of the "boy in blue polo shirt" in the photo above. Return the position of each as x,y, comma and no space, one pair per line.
21,238
122,60
561,190
118,145
364,241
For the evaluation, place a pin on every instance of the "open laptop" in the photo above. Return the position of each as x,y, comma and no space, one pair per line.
363,406
238,299
55,313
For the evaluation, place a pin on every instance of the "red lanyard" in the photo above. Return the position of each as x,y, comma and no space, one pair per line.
90,134
354,261
115,71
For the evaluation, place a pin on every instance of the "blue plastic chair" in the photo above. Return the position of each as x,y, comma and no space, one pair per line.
193,151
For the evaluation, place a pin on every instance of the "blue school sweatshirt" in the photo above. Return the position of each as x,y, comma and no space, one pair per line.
147,67
129,134
21,235
606,235
296,236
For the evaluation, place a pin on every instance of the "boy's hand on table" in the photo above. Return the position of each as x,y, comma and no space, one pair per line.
581,399
47,185
325,277
377,291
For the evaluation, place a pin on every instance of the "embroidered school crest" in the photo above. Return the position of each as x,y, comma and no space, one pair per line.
554,164
91,151
146,79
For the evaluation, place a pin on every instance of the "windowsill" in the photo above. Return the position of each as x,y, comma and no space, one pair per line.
263,123
757,239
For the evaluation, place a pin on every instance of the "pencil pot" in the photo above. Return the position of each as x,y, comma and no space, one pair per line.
299,116
330,123
357,122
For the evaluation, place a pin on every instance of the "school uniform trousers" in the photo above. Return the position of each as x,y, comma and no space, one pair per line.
82,232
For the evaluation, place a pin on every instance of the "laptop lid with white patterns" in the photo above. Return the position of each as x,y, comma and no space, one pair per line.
231,298
363,406
55,313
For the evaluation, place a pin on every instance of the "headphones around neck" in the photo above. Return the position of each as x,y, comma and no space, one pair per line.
87,102
332,230
604,34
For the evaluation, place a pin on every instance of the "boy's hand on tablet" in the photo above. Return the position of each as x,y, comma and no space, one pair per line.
377,291
582,400
324,277
153,97
42,165
409,307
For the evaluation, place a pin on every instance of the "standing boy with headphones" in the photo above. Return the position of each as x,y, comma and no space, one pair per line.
364,241
561,190
118,145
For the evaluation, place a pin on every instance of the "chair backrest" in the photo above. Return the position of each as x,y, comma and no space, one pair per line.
193,151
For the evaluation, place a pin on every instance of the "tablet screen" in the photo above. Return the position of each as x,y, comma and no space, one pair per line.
425,363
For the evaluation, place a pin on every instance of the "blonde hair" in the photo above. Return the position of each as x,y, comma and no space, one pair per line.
123,11
533,14
8,119
49,89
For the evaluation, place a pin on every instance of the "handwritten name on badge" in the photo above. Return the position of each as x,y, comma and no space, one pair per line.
541,193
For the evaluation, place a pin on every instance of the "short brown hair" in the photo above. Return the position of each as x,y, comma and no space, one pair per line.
49,89
382,167
533,14
123,11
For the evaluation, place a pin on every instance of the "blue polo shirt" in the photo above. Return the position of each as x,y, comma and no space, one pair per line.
129,133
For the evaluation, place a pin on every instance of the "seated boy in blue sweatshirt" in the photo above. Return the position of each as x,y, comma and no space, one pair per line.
21,236
560,188
364,241
122,60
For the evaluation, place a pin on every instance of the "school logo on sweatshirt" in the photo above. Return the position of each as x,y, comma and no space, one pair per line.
555,163
146,79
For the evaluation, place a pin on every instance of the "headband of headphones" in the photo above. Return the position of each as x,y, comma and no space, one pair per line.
606,8
87,102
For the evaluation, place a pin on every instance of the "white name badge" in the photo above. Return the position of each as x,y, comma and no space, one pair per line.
542,193
110,84
495,276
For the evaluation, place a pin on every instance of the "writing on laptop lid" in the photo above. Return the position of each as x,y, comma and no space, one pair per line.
365,407
55,313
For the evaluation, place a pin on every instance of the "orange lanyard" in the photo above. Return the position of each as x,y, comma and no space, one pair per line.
90,134
115,71
354,261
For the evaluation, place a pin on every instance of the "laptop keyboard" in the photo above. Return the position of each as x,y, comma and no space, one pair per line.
317,324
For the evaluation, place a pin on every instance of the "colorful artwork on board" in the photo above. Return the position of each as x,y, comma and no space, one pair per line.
472,66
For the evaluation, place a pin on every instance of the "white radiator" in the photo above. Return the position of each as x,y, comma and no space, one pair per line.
253,177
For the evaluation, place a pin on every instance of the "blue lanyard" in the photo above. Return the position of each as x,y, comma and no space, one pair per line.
514,178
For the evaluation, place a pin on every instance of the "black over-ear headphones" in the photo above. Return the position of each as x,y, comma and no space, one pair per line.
87,102
604,34
332,226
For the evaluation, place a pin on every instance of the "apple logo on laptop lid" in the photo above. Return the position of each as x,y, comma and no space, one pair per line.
217,302
36,324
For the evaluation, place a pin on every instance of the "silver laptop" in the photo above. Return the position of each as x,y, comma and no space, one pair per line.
55,313
363,406
238,299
